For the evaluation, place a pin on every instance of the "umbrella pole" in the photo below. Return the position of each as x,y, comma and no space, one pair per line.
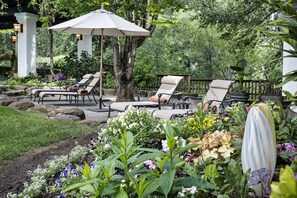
101,68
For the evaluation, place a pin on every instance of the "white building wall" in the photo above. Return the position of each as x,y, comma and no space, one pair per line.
289,64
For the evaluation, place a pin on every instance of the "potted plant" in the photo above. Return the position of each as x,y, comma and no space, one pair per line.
238,92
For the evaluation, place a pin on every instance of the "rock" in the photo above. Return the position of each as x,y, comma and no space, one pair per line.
43,108
71,111
20,87
16,93
90,123
61,116
5,102
21,105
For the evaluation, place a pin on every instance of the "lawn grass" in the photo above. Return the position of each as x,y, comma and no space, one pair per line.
22,131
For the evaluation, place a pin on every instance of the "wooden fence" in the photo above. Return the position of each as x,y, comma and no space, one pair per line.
198,87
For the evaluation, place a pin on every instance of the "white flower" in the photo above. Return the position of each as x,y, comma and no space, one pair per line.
193,190
165,147
106,146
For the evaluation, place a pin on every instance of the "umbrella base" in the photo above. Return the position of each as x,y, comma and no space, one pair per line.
104,109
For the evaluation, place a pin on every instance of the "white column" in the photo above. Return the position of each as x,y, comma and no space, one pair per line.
289,64
26,44
84,45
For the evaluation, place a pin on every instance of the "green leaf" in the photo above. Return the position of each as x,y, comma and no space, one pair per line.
287,187
78,185
166,181
184,149
148,156
89,189
194,181
85,171
121,194
169,132
211,171
150,187
151,150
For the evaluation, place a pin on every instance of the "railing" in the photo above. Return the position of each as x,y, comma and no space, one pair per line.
199,87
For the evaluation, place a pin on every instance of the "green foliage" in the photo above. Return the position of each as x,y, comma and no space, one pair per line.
77,68
124,172
284,29
199,124
144,74
240,72
31,131
109,81
287,186
235,118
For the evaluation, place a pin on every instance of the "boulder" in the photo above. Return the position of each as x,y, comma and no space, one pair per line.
21,105
69,111
61,116
43,109
90,123
5,100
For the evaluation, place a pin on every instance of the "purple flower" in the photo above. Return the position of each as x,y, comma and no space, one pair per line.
149,164
69,166
92,166
290,147
60,76
61,196
74,172
287,151
64,173
57,182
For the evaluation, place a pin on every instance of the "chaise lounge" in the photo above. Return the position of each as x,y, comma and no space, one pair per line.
162,96
83,92
81,83
214,98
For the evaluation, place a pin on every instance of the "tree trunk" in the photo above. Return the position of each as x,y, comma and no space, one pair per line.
51,54
123,67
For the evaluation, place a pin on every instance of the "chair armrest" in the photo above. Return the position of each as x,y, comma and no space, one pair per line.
179,95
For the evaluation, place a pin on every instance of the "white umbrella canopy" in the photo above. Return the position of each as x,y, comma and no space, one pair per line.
104,23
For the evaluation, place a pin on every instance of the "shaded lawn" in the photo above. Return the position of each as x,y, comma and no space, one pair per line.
22,131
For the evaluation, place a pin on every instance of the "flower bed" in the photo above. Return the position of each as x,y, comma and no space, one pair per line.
138,155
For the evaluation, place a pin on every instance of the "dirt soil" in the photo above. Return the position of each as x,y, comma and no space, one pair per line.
14,173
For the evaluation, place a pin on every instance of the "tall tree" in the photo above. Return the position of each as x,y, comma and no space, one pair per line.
142,12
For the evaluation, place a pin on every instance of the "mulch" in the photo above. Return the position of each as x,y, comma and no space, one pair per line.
13,173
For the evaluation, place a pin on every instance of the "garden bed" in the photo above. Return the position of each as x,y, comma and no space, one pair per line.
14,173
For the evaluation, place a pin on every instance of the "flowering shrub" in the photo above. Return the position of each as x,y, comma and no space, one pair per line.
216,145
141,123
199,123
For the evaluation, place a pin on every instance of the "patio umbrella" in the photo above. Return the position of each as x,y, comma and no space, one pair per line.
104,23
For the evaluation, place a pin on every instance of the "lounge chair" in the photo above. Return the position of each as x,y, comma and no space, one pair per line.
81,83
89,90
214,98
162,96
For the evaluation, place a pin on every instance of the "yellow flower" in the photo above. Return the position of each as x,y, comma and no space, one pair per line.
225,152
195,141
226,139
207,154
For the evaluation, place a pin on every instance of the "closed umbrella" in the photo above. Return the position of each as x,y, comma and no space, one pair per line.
104,23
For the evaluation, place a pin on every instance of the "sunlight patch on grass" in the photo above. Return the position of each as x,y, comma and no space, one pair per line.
22,131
